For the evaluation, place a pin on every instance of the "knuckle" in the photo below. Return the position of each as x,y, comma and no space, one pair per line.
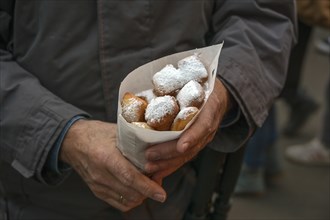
127,177
170,155
95,177
103,158
193,138
146,190
209,125
210,137
210,128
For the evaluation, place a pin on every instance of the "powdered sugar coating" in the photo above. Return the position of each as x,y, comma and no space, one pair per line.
185,113
192,94
169,79
161,112
133,107
132,110
159,107
193,68
183,118
147,95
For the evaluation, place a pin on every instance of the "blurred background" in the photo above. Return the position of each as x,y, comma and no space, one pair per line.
302,192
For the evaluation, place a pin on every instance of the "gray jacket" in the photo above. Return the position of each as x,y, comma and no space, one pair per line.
64,58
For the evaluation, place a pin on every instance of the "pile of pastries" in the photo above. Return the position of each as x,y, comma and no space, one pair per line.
176,97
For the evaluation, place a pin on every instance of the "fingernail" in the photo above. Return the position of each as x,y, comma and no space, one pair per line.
159,197
153,155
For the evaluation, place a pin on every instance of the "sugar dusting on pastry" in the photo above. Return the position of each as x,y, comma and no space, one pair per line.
174,89
192,94
147,95
161,112
193,67
133,107
183,118
169,79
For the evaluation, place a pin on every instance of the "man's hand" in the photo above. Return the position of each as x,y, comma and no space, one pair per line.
90,148
164,159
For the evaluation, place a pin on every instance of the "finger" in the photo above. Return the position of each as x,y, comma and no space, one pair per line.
145,186
159,176
208,120
131,195
120,203
128,175
162,151
101,179
158,166
166,169
176,162
158,180
115,198
202,128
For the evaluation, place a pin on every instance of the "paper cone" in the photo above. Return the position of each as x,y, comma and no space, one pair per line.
132,140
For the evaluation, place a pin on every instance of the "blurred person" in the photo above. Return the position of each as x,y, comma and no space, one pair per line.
317,13
261,151
60,77
261,165
301,105
323,45
317,151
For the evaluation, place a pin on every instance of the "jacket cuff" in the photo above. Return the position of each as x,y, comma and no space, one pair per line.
53,164
41,131
230,138
236,127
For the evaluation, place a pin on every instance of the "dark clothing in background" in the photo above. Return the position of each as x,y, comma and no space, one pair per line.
325,137
64,58
291,88
259,145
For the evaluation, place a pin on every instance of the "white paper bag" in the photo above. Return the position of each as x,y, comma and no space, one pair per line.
132,140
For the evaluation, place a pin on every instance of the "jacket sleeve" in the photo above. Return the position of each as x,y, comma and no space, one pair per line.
258,36
31,116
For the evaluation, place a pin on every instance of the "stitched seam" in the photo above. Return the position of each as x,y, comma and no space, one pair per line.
102,54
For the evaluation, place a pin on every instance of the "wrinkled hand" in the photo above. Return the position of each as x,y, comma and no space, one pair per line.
90,148
164,159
